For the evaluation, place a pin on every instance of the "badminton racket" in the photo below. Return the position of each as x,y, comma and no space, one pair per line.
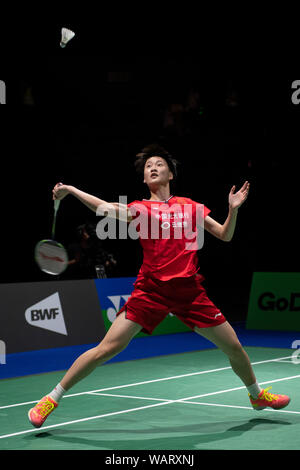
51,256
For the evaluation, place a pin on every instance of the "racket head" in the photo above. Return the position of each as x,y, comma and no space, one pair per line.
51,257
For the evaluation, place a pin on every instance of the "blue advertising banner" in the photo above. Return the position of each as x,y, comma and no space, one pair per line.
114,292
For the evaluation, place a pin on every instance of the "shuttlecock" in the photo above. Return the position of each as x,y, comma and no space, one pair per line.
66,36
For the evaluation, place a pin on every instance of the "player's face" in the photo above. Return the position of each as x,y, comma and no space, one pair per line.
157,172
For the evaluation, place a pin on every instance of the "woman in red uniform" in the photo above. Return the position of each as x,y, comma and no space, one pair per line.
171,231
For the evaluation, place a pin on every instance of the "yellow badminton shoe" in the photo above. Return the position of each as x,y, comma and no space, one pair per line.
266,399
40,412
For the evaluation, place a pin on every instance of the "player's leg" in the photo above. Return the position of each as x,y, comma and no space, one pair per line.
117,338
224,337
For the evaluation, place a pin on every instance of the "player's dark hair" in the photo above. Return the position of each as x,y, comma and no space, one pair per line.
155,150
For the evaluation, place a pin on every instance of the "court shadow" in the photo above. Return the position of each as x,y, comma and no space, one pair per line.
263,423
42,435
188,437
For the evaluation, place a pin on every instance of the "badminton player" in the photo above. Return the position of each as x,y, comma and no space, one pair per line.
168,281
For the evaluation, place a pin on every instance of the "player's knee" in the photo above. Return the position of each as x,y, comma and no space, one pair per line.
234,349
106,351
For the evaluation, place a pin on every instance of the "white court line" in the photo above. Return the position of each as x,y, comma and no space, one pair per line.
239,388
186,400
144,383
126,396
27,431
218,404
240,407
180,400
170,378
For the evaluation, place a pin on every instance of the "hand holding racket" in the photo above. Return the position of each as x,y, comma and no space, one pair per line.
60,191
58,194
51,256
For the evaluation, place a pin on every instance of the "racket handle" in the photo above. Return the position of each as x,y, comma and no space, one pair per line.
57,201
56,204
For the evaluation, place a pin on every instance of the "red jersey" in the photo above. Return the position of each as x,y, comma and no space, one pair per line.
170,233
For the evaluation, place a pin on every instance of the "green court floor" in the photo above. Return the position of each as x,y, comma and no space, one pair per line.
189,401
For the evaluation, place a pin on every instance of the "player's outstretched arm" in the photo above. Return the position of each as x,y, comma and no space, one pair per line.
112,209
236,199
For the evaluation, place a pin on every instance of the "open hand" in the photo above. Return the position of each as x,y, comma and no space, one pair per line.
238,198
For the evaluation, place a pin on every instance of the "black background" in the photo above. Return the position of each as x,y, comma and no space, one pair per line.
84,129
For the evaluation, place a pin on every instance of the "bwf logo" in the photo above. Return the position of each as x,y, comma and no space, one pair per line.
2,92
47,314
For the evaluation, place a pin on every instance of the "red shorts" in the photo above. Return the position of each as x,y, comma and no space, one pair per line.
152,300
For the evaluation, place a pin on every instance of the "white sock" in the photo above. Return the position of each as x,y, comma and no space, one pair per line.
57,393
254,390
